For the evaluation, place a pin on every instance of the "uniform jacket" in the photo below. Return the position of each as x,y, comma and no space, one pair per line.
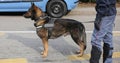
106,7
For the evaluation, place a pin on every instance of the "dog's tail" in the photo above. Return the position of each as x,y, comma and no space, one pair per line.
84,39
83,35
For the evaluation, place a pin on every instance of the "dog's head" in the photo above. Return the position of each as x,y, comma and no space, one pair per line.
34,12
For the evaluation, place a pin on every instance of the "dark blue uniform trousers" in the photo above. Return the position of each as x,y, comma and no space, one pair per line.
105,35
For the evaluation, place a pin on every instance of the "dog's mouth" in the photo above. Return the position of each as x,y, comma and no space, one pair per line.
27,15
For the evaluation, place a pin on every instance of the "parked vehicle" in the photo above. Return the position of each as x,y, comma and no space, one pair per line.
54,8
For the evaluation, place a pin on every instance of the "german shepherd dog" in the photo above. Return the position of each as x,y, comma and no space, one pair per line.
60,27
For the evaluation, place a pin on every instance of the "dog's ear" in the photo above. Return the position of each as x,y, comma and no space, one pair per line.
32,4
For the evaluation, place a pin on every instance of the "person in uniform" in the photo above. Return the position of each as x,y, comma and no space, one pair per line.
103,27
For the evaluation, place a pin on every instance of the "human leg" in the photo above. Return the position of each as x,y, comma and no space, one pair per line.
108,40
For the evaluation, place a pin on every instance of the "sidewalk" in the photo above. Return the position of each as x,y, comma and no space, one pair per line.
88,9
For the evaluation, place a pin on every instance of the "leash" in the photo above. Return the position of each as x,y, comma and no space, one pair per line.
88,22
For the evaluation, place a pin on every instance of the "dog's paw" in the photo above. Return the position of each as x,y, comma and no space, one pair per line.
42,53
77,52
80,54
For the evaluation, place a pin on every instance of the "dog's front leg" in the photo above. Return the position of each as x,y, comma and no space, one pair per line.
45,45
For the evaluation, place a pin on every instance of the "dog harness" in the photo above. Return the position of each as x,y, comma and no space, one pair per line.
48,25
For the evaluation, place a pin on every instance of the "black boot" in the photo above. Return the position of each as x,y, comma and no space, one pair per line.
95,54
107,53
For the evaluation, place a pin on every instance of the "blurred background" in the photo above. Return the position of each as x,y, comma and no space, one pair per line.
92,1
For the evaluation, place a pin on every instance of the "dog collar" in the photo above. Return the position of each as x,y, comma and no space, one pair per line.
39,27
42,17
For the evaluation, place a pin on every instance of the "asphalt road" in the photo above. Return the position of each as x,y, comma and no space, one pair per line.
19,42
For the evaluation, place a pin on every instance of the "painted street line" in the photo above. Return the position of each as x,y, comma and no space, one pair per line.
15,60
87,56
